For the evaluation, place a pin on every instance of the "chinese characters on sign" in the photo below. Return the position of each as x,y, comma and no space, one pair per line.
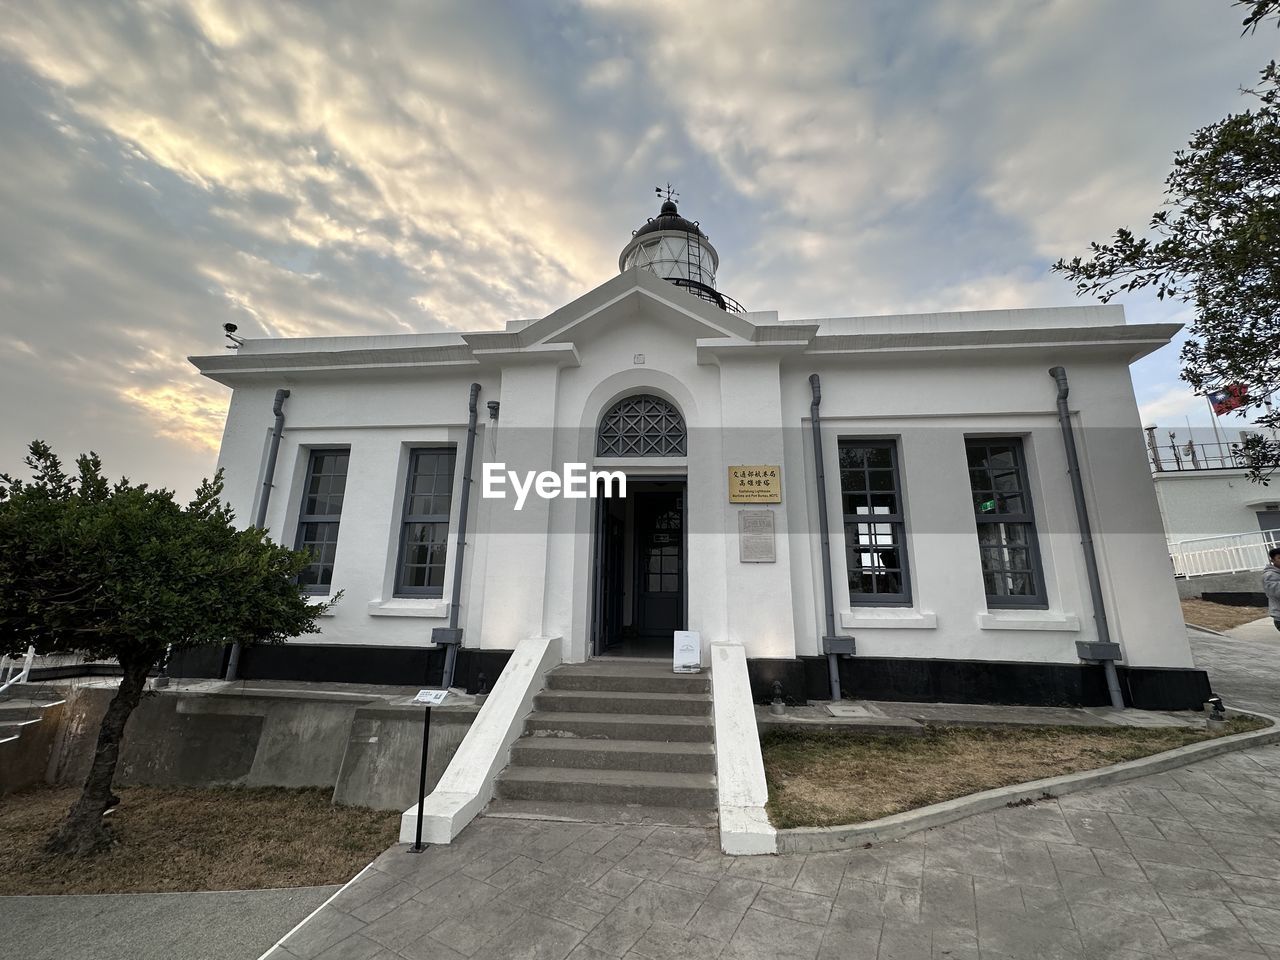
755,484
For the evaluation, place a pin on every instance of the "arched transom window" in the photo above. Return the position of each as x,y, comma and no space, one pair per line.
641,426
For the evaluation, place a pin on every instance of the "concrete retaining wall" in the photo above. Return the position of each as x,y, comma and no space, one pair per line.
1248,582
366,749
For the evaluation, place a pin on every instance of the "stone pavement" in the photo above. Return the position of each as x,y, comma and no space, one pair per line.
1177,865
1244,665
223,925
1183,865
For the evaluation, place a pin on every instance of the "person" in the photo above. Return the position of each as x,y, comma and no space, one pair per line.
1271,585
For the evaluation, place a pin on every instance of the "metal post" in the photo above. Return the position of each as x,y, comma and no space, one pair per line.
418,845
1086,535
831,643
264,498
1153,448
450,637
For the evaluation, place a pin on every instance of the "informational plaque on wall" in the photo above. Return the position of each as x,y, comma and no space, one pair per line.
755,537
759,483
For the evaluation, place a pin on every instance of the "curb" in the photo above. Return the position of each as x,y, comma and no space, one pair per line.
820,839
279,944
1213,633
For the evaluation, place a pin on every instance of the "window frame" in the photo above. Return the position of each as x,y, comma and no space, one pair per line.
399,588
331,519
904,596
670,442
1039,600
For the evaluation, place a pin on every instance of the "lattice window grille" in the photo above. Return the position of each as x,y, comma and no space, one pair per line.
641,426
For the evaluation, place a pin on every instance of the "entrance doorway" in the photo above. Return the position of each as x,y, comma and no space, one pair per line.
640,575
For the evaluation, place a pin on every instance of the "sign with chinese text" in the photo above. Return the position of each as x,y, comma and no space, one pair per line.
755,484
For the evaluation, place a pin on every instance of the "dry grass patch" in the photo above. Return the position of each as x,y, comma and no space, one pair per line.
819,779
1219,616
173,838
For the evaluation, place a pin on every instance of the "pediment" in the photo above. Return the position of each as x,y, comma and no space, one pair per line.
635,296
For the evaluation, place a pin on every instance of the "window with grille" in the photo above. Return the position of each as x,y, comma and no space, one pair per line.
641,426
425,527
319,516
1011,570
874,525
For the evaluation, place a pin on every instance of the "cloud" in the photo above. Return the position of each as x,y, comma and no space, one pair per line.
1171,405
170,166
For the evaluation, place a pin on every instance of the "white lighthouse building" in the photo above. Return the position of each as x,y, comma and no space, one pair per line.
891,507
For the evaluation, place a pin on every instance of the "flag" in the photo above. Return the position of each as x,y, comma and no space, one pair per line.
1228,398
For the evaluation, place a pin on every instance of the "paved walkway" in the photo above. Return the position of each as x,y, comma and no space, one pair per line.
1178,865
1184,864
1244,665
229,925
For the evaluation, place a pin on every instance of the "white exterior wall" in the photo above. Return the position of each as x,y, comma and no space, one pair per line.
949,616
1211,503
529,573
376,421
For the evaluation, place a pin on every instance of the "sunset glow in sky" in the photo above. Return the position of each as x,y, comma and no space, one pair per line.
321,168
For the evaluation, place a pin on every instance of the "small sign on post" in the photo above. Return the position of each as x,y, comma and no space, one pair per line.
428,699
688,652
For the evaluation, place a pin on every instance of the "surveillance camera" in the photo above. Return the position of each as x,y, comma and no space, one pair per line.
230,327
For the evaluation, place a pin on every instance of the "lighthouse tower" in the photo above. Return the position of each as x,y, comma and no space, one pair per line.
677,250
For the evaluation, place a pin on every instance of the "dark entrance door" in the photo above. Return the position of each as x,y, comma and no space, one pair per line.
639,596
659,526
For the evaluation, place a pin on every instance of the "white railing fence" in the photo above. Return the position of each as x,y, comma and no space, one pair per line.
1228,553
16,670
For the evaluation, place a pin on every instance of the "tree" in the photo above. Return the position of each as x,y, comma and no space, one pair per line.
123,572
1216,245
1259,10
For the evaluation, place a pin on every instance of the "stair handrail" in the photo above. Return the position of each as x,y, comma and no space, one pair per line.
22,675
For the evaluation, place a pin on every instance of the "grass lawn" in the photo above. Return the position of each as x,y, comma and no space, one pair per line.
176,838
819,779
1219,616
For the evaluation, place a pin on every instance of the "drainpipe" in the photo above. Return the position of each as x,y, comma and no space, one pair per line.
1104,650
260,521
831,644
450,637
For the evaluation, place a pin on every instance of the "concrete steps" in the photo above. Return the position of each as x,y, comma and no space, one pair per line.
633,816
644,787
674,757
616,701
616,741
636,676
620,726
24,740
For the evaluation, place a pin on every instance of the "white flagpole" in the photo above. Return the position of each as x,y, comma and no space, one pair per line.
1213,416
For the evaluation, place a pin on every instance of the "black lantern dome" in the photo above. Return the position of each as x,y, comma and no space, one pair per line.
677,250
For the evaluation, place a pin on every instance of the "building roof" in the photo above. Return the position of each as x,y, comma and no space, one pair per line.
551,339
669,218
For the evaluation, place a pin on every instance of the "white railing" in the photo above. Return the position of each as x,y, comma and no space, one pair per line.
1228,553
11,673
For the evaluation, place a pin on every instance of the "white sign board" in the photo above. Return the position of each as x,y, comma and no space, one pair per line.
755,537
688,653
432,698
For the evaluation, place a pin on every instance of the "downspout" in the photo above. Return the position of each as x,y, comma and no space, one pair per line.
451,637
833,667
260,521
1106,651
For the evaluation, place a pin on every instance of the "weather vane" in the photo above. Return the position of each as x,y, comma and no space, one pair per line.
670,192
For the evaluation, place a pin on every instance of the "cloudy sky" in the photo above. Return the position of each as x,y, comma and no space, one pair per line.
327,168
